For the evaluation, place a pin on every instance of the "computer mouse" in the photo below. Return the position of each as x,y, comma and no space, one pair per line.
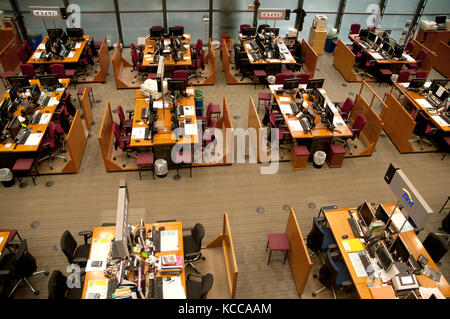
344,236
162,228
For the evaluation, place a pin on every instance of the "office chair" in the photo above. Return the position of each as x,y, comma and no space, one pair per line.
192,244
196,289
304,77
419,59
354,28
333,273
280,77
181,74
245,68
421,74
356,129
403,76
278,116
299,59
57,287
320,239
423,129
436,244
345,108
197,49
76,254
209,134
122,142
28,70
27,46
125,125
23,55
19,266
137,65
283,134
62,73
199,66
409,47
48,146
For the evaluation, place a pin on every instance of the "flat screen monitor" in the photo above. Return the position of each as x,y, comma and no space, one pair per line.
315,84
275,31
176,31
49,80
381,214
291,84
386,47
249,32
329,114
74,33
372,37
440,19
156,32
35,93
399,250
379,41
176,85
366,213
398,50
14,127
19,80
434,86
363,34
55,34
416,83
441,94
13,92
384,257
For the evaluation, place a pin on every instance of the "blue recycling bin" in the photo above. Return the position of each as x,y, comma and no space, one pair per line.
35,39
199,95
329,46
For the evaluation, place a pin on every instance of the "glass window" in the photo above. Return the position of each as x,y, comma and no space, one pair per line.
230,23
401,6
309,18
4,5
359,5
126,5
286,4
97,5
192,22
231,4
36,25
320,6
396,24
136,25
348,20
437,7
98,25
23,5
187,4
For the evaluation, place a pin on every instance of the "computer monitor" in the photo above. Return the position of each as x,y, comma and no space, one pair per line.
329,114
64,38
434,86
55,34
176,31
291,84
386,47
14,127
19,80
381,214
48,80
249,32
315,84
416,83
363,34
176,85
35,93
156,32
366,213
441,93
13,92
399,250
275,31
371,37
440,19
74,33
398,51
384,257
379,41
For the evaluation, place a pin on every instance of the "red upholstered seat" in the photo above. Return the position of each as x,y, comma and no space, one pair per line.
264,96
7,73
70,73
145,158
259,73
447,140
23,164
288,72
278,241
301,150
385,71
337,149
80,90
152,76
215,108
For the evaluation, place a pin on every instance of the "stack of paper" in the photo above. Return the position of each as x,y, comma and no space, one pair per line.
398,219
440,120
138,132
351,245
173,288
190,129
33,139
189,110
295,125
285,100
45,118
286,108
71,54
173,263
97,289
169,239
423,103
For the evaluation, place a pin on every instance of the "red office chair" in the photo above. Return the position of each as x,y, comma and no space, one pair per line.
354,28
206,121
280,77
242,26
23,55
125,125
122,142
137,65
49,146
304,77
419,59
27,46
181,74
28,70
61,72
197,49
403,76
421,74
409,47
199,66
345,108
208,134
423,129
283,134
356,129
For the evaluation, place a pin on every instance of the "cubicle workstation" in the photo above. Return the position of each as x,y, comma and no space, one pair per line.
97,72
165,45
412,107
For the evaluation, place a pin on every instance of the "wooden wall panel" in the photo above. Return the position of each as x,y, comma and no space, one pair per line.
105,137
254,122
226,64
76,144
310,58
87,109
230,256
344,59
104,62
227,126
442,62
298,256
8,56
6,35
429,60
118,63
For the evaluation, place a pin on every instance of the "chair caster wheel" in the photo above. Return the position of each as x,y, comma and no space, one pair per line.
313,294
315,276
46,273
123,166
36,292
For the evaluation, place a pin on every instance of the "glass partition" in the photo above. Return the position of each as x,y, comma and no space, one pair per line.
135,25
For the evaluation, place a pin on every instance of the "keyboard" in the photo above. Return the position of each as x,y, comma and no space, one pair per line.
148,134
305,125
46,100
145,113
180,110
36,118
433,100
157,240
22,137
294,108
155,287
432,273
366,263
181,127
445,118
356,228
254,56
112,285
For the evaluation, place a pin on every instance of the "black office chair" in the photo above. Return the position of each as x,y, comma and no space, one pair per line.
19,266
196,289
423,129
333,273
262,27
76,254
320,238
245,68
58,289
299,59
436,244
192,245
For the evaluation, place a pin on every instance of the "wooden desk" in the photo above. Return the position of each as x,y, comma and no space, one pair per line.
413,97
320,130
35,127
431,38
289,59
163,124
109,232
4,238
73,59
149,48
337,220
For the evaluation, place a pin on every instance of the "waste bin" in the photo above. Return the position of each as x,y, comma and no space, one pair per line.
271,79
35,39
329,46
319,159
199,95
6,177
161,168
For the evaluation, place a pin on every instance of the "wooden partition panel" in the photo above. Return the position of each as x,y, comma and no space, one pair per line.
398,124
118,63
310,58
442,64
210,59
8,56
343,61
104,62
76,144
87,109
105,137
226,64
298,256
255,123
227,126
429,60
6,35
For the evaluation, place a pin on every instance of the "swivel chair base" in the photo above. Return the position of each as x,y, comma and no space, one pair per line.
36,292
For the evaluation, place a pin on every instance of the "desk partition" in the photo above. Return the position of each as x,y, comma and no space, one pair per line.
120,65
311,58
442,54
254,122
343,61
103,61
210,60
429,60
76,143
105,140
226,64
86,106
8,55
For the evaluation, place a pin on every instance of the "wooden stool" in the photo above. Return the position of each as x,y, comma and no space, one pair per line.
336,155
299,158
25,165
278,242
263,96
90,93
259,74
146,160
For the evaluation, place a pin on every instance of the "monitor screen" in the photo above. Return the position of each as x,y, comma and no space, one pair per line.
19,80
74,33
384,257
275,31
55,34
372,37
315,83
379,41
366,213
399,250
290,84
329,113
440,19
398,51
386,47
249,32
35,93
156,32
176,85
14,127
176,31
363,34
416,83
381,214
434,86
48,80
13,92
441,94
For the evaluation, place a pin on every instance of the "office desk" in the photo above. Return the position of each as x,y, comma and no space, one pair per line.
163,124
109,232
4,238
320,130
149,48
289,59
337,220
415,98
35,127
431,38
74,59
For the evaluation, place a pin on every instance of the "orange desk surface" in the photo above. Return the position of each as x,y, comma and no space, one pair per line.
4,236
150,46
289,59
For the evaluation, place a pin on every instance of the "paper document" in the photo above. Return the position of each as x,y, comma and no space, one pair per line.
189,110
157,104
351,245
138,132
186,57
398,219
273,60
21,119
190,129
187,36
71,54
1,239
440,120
427,292
8,145
173,288
190,91
285,99
169,239
100,249
95,265
387,276
45,118
41,46
337,121
37,55
286,108
248,46
357,265
97,289
408,58
376,56
295,125
423,103
78,45
33,139
53,101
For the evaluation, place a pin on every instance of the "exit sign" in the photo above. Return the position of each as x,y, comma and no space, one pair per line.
45,12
